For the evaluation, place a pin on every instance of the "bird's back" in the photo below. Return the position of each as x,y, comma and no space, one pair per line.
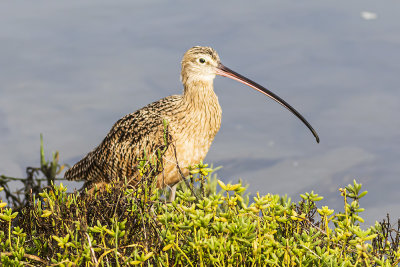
127,142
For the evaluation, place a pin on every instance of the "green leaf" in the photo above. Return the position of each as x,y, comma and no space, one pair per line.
46,213
222,185
42,159
148,255
363,194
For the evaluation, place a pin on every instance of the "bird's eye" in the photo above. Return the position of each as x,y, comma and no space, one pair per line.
202,60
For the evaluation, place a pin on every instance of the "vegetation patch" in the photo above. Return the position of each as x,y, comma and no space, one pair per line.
123,225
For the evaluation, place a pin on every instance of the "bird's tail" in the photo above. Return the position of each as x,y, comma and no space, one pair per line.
81,170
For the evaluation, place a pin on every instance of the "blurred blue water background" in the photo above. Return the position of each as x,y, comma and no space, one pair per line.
70,69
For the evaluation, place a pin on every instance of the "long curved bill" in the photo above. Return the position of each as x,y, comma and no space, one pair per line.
225,71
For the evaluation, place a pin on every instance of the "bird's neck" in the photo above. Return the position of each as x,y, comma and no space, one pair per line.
201,107
194,120
200,95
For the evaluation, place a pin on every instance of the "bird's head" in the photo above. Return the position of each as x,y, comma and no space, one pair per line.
199,64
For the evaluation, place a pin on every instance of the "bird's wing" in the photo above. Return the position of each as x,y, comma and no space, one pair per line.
127,142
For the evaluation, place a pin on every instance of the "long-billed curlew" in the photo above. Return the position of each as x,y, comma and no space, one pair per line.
193,119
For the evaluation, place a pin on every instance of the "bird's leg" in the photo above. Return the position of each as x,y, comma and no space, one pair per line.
172,193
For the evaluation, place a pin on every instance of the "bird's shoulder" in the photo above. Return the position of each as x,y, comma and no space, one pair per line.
145,121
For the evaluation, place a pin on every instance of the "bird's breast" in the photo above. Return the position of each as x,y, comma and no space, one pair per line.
193,130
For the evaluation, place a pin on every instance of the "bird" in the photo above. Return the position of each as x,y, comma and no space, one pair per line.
189,121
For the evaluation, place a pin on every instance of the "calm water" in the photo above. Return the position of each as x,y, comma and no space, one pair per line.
69,70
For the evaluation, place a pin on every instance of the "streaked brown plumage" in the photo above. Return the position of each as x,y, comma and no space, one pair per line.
194,118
